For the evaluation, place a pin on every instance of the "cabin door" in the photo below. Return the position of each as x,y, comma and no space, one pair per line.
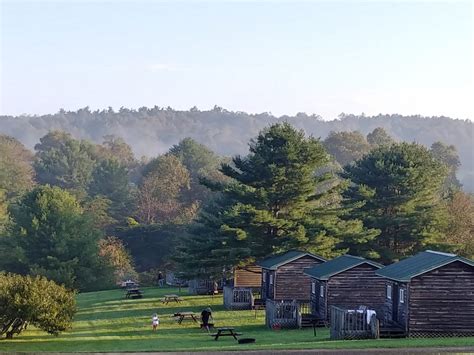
395,294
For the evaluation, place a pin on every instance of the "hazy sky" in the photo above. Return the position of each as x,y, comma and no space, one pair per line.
280,57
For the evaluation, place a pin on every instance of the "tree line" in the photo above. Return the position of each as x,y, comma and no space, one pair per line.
151,131
89,215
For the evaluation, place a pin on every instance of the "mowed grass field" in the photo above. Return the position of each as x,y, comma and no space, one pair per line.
107,322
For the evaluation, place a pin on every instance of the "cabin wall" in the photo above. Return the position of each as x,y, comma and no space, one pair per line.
250,276
359,286
290,281
442,301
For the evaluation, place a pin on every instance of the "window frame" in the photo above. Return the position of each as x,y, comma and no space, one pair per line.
389,291
321,291
313,287
270,281
401,295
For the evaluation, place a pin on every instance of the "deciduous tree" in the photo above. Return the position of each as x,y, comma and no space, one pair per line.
63,161
346,147
16,171
36,301
160,192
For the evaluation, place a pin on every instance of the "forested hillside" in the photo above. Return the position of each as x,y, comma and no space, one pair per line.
152,131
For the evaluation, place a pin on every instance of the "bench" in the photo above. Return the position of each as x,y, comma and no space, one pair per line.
225,332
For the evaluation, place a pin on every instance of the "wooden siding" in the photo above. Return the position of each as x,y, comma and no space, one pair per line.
359,286
442,300
250,276
290,281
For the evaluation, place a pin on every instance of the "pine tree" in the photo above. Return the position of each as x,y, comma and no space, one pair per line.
274,202
398,188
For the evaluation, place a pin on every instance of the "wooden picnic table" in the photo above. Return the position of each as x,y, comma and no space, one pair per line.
169,298
186,315
225,332
134,293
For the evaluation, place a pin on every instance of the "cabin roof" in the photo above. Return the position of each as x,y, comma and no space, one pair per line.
275,261
419,264
335,266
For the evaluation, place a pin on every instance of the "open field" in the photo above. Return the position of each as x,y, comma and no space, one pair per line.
106,322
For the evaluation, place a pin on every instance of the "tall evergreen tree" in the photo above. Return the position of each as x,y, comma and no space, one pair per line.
272,204
398,188
52,237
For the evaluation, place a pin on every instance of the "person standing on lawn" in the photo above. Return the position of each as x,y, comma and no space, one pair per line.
161,279
205,315
155,321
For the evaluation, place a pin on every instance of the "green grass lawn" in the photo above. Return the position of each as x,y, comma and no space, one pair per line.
108,322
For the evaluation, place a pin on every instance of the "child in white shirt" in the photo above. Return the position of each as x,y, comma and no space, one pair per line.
155,321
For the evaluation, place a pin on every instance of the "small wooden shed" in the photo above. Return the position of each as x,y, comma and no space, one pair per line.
430,294
346,282
283,276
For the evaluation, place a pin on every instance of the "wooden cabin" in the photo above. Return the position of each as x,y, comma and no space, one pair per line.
285,288
283,276
346,282
240,293
430,294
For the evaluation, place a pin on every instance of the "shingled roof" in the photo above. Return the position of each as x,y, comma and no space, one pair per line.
335,266
274,261
421,263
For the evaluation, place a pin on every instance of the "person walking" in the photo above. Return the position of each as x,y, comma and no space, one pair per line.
206,314
155,321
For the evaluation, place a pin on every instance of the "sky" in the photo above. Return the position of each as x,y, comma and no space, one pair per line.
280,57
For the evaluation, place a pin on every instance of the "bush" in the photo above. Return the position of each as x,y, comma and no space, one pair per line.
34,300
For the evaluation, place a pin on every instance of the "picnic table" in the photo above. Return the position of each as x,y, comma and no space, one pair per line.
225,332
133,293
185,315
169,298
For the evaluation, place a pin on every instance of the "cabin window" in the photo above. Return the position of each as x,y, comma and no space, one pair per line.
321,291
271,279
313,288
402,295
389,292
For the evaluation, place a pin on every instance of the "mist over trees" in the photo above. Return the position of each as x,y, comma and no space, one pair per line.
87,214
152,131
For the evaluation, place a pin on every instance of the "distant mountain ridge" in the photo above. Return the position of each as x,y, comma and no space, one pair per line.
151,131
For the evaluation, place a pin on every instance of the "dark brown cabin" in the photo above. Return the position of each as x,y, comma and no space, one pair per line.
346,282
283,275
430,294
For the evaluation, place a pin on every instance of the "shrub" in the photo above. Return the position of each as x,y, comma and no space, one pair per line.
34,300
